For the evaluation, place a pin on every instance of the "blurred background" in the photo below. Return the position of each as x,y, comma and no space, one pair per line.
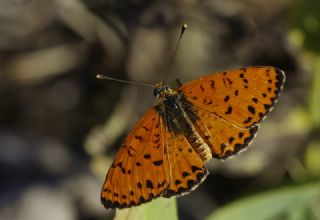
60,127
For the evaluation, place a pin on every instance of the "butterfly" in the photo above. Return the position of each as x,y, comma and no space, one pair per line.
215,116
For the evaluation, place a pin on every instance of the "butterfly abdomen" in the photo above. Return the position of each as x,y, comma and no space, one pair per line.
198,144
176,107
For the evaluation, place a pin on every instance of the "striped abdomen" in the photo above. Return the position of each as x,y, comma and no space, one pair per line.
197,142
177,115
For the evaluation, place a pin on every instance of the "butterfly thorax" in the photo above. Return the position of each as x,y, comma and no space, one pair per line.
179,117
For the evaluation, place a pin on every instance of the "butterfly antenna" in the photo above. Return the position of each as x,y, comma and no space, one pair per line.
183,28
102,76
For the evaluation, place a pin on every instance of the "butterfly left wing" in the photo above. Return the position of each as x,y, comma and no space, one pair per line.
228,105
140,169
241,96
223,138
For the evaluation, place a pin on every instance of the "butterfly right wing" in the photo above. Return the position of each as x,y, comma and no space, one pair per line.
140,170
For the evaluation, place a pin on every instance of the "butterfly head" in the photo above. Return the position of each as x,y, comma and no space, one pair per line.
162,90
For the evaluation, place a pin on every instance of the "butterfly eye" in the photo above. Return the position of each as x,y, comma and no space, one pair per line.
157,92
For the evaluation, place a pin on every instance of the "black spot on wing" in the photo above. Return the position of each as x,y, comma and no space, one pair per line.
185,174
255,100
195,168
191,184
229,110
212,83
251,109
157,162
149,184
239,146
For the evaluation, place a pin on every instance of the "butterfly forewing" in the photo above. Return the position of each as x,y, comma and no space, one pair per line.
140,169
242,96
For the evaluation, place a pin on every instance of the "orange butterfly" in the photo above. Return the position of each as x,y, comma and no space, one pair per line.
214,116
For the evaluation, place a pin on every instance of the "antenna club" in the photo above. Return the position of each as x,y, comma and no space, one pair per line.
99,76
183,28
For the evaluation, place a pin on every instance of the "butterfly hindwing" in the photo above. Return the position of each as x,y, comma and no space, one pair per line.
186,167
223,138
241,96
140,169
